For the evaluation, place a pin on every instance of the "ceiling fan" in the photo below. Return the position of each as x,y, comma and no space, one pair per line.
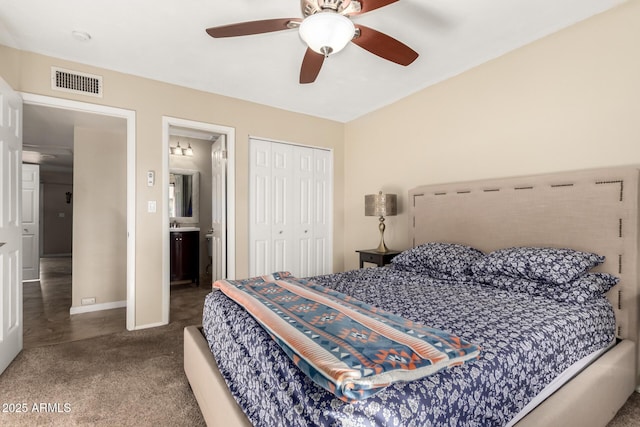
326,29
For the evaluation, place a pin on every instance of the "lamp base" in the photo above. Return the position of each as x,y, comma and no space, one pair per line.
382,248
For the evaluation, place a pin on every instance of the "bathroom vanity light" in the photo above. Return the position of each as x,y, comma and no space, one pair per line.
179,151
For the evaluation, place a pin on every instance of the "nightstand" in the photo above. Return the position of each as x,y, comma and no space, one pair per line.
375,257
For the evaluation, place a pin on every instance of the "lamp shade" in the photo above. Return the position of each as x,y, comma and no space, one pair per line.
327,32
380,204
177,150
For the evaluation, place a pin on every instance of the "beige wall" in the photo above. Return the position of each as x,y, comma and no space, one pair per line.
100,210
57,214
10,66
569,101
29,72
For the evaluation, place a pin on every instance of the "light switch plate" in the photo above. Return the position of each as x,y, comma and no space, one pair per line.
151,206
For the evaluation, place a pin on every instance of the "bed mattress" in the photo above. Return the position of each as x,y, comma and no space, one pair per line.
527,341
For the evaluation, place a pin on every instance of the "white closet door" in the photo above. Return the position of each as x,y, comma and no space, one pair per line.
304,214
260,252
282,230
290,209
322,212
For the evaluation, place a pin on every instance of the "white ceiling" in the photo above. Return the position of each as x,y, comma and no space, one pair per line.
48,134
47,137
166,40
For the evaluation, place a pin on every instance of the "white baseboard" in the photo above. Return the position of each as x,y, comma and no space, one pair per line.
97,307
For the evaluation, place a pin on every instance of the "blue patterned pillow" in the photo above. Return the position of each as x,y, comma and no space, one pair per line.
440,260
539,264
585,288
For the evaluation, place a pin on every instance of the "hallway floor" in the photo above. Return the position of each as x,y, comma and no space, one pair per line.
47,302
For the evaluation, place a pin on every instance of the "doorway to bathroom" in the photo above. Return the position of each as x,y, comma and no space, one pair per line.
198,203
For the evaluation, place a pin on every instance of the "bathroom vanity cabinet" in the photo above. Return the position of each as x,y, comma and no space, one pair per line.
184,249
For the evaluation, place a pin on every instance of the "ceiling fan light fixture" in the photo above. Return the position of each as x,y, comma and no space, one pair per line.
327,32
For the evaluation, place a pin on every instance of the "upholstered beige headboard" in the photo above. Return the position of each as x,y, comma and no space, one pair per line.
592,210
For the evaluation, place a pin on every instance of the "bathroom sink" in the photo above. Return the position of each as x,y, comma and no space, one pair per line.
180,229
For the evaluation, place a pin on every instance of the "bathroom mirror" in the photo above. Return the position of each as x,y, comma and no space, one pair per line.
184,196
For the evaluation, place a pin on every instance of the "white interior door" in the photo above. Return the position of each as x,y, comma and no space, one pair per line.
260,211
30,222
10,229
270,208
219,208
290,209
282,208
304,199
322,212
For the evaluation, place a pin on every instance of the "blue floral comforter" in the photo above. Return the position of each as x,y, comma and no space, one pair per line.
526,341
349,348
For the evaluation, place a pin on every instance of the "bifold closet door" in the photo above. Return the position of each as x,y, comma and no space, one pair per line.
304,212
322,213
312,211
289,209
270,208
282,208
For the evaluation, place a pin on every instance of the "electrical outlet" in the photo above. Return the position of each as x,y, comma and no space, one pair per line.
88,301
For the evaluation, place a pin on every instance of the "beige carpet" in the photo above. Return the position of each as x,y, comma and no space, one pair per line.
124,379
629,415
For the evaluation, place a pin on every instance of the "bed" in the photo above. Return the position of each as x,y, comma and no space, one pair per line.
594,211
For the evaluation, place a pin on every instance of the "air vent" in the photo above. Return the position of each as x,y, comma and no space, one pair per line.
76,82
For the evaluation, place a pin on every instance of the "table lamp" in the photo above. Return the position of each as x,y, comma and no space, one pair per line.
381,205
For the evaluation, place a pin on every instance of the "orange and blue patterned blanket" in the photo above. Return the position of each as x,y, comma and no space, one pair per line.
350,348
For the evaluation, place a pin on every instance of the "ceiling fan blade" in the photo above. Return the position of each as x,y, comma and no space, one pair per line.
252,27
369,5
384,46
311,65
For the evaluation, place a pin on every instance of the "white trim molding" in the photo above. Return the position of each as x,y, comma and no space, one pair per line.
97,307
130,117
167,123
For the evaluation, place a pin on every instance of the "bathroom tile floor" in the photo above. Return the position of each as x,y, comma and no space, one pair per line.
46,317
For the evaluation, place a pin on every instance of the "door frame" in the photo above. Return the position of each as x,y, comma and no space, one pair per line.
230,133
130,117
